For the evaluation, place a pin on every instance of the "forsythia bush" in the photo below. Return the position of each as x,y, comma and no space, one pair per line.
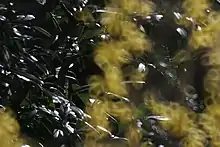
192,128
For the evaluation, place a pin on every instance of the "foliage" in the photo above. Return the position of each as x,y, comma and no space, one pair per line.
44,52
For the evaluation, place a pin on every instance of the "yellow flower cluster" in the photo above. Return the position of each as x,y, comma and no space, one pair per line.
206,21
210,122
181,122
194,128
133,135
208,36
211,117
9,131
110,56
131,6
196,9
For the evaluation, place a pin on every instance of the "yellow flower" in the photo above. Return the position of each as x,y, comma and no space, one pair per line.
122,111
203,38
196,9
113,79
98,112
195,138
206,35
133,39
114,23
133,135
137,77
131,6
9,131
210,122
180,122
97,86
111,54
